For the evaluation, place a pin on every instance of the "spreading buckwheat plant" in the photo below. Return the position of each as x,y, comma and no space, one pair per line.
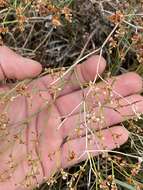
61,34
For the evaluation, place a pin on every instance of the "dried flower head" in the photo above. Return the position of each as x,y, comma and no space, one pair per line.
117,17
3,3
21,18
4,120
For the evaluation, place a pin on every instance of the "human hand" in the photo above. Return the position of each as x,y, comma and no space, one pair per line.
40,132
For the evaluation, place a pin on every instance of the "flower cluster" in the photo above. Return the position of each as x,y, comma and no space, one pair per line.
117,17
21,18
3,3
44,8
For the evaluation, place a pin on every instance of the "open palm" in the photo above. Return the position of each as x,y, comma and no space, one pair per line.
44,132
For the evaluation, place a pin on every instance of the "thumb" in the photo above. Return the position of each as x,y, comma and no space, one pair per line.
14,66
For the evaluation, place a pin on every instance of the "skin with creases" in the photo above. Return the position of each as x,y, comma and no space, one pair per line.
41,146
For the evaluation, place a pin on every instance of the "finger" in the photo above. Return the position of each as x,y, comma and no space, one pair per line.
112,114
4,88
14,66
103,140
123,85
17,145
82,74
15,175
